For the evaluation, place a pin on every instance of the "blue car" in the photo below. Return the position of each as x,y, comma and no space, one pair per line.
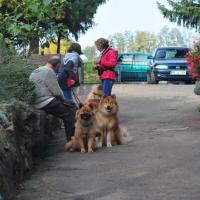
169,64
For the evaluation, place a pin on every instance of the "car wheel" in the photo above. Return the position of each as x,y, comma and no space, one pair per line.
152,78
188,82
148,78
118,77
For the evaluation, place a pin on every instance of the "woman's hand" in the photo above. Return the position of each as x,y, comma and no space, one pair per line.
97,60
95,67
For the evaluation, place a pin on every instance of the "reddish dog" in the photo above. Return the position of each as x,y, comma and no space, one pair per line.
107,121
85,130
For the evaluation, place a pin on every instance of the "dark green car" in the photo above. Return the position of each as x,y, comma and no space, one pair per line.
132,66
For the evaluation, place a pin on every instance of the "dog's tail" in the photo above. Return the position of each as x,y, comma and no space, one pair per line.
126,135
68,145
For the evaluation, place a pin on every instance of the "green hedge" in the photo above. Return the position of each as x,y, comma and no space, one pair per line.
90,76
15,85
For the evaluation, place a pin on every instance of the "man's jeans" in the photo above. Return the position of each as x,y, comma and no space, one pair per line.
66,113
107,85
68,95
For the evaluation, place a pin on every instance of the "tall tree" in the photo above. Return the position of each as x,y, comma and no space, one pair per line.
182,12
77,16
121,41
189,37
143,41
175,37
163,36
129,39
168,36
118,41
26,21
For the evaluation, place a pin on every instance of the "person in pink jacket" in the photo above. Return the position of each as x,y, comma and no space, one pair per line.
106,64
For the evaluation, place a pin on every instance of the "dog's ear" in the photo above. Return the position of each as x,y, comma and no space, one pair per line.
104,96
80,105
91,106
113,96
99,87
77,113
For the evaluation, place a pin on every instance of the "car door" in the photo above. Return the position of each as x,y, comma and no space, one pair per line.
140,66
124,67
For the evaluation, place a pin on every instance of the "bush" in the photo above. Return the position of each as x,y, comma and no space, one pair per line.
90,76
193,58
15,85
6,50
198,108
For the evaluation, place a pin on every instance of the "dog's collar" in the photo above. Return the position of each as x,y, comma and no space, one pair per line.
86,125
99,95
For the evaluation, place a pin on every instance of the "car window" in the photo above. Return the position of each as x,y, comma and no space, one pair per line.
180,53
161,54
126,59
140,59
171,53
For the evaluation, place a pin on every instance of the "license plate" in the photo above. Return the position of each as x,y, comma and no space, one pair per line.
178,72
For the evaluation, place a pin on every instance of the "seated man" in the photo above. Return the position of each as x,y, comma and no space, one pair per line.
49,96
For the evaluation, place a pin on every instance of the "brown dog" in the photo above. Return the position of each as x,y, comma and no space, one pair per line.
85,130
94,96
107,121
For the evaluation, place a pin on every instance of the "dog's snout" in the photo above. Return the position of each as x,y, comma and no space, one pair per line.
85,116
109,108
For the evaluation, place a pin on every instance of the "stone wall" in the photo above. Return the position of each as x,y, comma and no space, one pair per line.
24,138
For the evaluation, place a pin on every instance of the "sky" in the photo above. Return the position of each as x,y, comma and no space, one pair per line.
117,16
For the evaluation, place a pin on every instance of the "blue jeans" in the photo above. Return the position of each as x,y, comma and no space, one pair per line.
107,85
68,95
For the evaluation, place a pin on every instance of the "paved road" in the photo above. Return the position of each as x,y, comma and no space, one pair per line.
161,160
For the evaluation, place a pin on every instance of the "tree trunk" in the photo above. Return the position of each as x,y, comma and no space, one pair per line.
58,44
34,46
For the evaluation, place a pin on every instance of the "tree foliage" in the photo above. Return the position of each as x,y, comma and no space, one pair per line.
182,12
118,40
193,58
23,21
146,42
15,84
138,41
78,15
171,37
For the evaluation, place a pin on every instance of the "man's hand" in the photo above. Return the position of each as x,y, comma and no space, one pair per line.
72,82
59,98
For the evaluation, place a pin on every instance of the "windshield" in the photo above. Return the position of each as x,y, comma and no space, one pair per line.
171,53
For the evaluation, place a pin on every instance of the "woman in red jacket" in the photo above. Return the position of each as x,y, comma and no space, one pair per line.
106,64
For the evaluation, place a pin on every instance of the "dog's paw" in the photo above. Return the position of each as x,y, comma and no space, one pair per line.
90,150
82,150
99,145
109,145
71,150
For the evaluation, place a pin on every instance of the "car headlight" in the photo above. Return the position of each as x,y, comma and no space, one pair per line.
161,67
